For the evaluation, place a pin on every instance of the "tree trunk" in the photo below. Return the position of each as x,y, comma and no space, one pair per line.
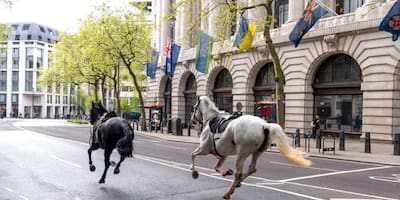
279,76
132,73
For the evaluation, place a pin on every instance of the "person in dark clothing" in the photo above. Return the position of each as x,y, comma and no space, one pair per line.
315,126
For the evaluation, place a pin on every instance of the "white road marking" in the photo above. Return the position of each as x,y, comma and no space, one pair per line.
67,162
171,147
23,197
288,164
341,191
335,173
395,178
149,159
8,189
350,199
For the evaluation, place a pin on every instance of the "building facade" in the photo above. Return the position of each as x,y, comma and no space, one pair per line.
344,69
23,57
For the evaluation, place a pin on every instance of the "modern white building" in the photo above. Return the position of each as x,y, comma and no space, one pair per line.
23,57
345,69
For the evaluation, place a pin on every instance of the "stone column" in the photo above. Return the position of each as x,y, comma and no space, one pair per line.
212,24
165,27
296,9
257,15
178,23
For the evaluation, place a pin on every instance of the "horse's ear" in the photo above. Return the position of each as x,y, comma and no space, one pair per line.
198,98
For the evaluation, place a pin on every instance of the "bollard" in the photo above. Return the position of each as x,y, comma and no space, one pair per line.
297,138
169,126
178,127
189,127
396,144
341,141
318,141
367,142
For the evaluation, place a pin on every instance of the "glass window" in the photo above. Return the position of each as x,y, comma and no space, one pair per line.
191,83
29,58
223,80
17,37
26,27
347,6
28,81
14,98
39,59
2,98
281,12
3,58
3,80
266,76
338,98
29,37
15,81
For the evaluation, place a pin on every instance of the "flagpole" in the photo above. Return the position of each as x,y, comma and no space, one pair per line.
326,7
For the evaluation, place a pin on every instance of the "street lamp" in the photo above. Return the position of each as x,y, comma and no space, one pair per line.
33,98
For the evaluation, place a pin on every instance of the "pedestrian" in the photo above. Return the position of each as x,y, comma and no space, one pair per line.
315,126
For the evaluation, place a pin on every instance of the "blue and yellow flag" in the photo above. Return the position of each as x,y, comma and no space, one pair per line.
152,64
311,15
203,52
245,36
391,22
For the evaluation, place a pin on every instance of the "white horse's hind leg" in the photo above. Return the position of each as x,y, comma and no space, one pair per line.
252,167
218,165
240,159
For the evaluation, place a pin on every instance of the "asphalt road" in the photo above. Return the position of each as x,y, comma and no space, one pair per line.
36,166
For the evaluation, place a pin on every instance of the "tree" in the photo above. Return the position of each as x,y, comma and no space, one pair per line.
228,11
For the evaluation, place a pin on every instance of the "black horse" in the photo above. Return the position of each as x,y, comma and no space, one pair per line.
109,132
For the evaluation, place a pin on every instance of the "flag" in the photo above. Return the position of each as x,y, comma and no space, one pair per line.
203,52
391,22
152,64
311,15
172,54
244,37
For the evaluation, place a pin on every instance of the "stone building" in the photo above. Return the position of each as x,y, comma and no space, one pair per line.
344,69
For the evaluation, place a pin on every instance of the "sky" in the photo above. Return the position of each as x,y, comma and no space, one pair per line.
63,15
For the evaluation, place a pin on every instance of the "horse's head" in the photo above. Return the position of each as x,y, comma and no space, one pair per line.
96,112
203,110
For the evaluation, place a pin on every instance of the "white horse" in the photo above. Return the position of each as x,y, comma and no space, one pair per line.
244,136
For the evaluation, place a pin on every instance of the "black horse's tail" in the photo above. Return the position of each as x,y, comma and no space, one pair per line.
124,145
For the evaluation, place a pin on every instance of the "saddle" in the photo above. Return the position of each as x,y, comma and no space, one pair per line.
219,123
97,134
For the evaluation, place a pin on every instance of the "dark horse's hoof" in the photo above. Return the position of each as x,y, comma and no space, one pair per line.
116,171
195,174
92,168
101,181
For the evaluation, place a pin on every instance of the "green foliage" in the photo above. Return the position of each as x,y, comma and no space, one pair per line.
130,104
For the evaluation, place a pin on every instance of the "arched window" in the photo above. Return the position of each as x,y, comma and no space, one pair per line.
281,12
223,91
190,97
264,96
337,94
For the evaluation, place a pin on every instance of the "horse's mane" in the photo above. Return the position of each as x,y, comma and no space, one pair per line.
209,104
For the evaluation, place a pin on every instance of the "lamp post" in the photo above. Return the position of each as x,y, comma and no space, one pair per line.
33,98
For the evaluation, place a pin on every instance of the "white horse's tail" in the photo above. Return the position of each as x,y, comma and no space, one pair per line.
294,156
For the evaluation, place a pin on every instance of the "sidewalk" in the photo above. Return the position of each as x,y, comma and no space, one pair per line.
381,153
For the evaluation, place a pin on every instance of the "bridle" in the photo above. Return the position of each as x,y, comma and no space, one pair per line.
196,110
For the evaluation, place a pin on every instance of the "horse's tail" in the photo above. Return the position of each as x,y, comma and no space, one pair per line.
294,156
124,145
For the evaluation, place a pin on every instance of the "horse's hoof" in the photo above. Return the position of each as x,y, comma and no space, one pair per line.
226,196
238,185
112,163
116,171
92,168
195,174
102,181
227,172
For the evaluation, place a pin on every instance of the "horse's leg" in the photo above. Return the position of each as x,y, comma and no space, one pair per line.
252,167
240,159
196,152
91,148
116,170
107,154
218,165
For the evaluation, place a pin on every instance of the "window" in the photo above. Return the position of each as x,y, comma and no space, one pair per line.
14,26
266,77
348,6
41,29
338,97
15,57
281,12
3,99
39,58
29,58
264,87
40,38
28,81
14,98
3,58
3,80
223,91
29,37
15,81
17,37
26,27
